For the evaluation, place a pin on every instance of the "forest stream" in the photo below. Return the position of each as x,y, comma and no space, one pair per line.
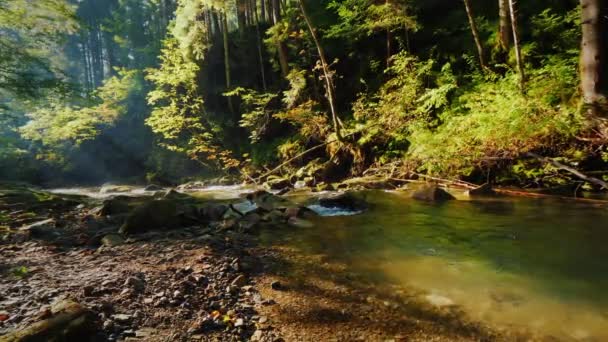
489,268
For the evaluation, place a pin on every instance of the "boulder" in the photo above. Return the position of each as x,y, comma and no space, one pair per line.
346,200
266,200
299,223
213,211
151,215
370,182
250,221
432,193
483,190
300,212
115,206
277,184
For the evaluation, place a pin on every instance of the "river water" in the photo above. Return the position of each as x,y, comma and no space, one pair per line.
512,263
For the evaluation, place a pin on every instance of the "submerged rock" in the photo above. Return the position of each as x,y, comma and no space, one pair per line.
432,194
151,215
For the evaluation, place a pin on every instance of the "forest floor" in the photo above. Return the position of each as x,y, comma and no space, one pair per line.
198,283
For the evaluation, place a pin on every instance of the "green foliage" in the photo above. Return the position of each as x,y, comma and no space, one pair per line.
256,113
178,115
58,123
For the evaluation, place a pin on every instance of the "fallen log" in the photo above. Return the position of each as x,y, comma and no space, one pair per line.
69,321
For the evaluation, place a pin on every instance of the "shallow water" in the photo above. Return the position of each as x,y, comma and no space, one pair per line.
514,263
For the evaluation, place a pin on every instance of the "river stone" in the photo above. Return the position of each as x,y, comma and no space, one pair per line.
432,194
112,240
483,190
266,200
151,215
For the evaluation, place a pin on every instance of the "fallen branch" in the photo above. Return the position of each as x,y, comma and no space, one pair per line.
569,169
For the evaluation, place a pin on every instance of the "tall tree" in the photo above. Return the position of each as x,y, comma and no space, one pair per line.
593,53
475,32
504,26
520,66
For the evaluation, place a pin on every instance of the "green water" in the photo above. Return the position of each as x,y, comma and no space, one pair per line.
536,265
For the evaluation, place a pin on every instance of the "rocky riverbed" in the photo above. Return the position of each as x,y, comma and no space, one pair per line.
169,267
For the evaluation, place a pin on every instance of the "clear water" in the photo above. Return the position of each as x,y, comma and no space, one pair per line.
513,263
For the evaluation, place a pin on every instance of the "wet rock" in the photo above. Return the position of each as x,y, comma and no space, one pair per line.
484,190
300,185
277,184
432,194
375,183
266,200
112,240
347,201
151,215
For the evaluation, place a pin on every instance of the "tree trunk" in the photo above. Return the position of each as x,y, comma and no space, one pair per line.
276,7
389,37
226,57
260,50
263,10
467,6
504,26
326,73
592,55
520,66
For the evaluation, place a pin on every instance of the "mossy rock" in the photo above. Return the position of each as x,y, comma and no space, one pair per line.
152,215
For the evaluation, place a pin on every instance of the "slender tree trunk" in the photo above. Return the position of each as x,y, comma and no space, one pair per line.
326,73
504,26
592,55
226,57
260,51
263,10
276,7
475,32
241,17
520,66
389,37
